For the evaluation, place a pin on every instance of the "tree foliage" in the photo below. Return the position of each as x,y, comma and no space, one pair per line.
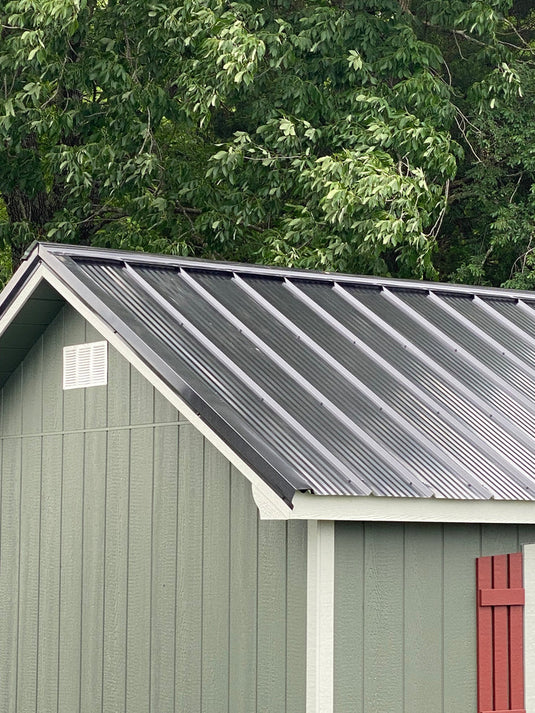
386,136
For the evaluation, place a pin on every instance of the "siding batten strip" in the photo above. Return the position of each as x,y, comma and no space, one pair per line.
320,617
529,627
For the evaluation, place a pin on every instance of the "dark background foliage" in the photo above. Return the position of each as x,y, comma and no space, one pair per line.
392,137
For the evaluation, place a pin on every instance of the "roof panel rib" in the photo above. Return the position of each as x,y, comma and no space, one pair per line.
331,383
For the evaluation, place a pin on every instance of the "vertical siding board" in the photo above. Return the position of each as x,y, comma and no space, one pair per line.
29,574
271,672
423,617
93,571
189,571
516,636
501,637
52,385
296,617
348,617
73,399
164,411
32,385
115,571
526,535
215,593
141,399
96,396
49,580
499,539
164,568
12,404
383,632
243,594
71,573
9,571
461,547
118,389
139,571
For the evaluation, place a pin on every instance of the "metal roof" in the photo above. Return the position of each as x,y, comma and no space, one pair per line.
337,384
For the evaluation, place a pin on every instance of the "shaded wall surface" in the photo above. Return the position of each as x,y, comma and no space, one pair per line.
405,614
135,574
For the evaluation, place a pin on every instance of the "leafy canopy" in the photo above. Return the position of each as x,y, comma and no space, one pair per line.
384,136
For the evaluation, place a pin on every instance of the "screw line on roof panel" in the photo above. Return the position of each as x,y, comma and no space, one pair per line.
383,406
502,458
519,434
465,354
246,379
522,365
528,482
302,382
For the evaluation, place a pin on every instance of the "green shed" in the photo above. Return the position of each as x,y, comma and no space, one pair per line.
237,489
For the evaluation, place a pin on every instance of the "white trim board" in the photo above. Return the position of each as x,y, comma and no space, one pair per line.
528,559
320,617
384,509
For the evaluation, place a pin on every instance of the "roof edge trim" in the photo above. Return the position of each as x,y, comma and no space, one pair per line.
172,261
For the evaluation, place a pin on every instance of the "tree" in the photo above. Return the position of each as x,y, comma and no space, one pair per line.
318,133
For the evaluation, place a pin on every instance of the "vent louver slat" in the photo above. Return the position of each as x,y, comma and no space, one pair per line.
85,365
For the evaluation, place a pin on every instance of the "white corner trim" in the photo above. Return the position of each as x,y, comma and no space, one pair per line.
270,505
320,617
528,558
374,508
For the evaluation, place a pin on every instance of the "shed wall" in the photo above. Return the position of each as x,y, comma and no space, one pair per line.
135,574
405,614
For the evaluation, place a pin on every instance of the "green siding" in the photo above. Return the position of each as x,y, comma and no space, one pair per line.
405,616
135,574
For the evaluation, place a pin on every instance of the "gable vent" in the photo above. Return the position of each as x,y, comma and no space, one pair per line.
85,365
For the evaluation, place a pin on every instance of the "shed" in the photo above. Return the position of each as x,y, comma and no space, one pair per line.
238,489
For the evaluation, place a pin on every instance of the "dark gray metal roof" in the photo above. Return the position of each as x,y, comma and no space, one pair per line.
331,383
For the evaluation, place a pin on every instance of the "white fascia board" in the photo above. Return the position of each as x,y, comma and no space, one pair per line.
270,505
385,509
320,617
528,559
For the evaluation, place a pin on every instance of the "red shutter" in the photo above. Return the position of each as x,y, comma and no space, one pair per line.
500,646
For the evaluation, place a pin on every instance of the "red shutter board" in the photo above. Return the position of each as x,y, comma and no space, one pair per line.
516,637
484,639
501,637
500,600
495,597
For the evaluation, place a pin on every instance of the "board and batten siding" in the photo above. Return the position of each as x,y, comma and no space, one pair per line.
135,574
405,614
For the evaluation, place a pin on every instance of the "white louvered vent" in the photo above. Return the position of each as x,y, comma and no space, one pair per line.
85,365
